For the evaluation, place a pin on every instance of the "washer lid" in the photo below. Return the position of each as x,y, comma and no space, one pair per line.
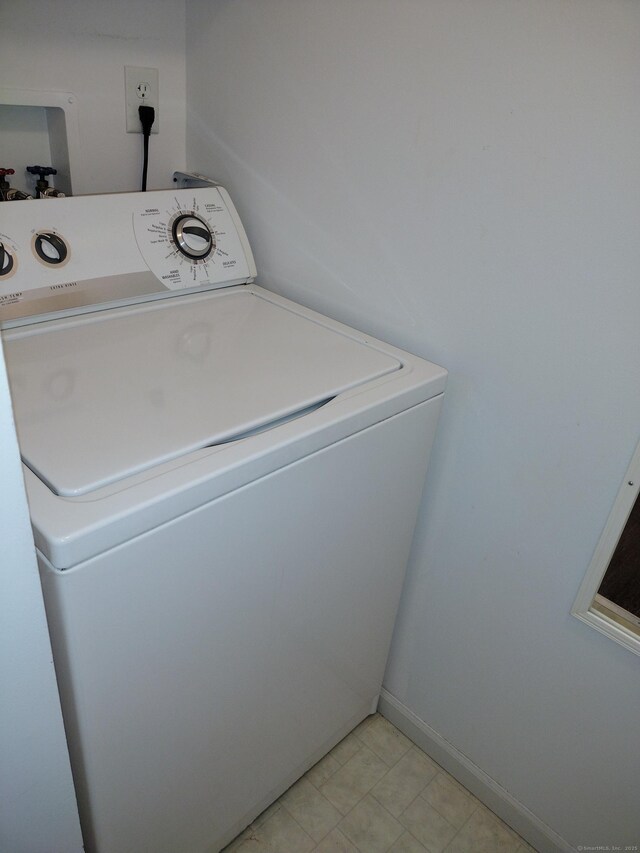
101,397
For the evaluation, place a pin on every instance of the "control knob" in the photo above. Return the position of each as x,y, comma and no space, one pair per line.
6,261
192,237
50,248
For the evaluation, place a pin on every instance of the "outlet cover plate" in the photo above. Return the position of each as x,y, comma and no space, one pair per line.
140,87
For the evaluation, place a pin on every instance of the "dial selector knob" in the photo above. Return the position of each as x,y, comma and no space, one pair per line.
50,248
6,261
193,237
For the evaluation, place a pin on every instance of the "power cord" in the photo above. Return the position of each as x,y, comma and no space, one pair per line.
147,117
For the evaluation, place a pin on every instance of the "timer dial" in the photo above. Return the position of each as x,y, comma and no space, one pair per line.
192,237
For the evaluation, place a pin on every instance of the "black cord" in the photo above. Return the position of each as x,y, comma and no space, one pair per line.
147,117
145,161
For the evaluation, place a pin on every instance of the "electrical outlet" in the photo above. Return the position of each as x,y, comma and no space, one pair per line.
140,87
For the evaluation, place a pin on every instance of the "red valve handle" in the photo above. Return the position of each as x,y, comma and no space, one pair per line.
4,172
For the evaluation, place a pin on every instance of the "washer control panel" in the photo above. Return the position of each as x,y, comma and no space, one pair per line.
77,253
192,240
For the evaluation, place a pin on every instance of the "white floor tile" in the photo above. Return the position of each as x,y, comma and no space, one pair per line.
402,783
370,827
385,740
346,749
277,834
335,842
484,833
427,825
348,785
376,792
323,770
450,800
313,811
407,844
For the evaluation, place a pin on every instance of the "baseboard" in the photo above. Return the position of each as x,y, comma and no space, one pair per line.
501,802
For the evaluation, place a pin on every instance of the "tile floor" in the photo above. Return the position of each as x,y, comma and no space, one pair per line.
376,792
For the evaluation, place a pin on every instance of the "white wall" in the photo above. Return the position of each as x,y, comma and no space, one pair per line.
462,178
82,46
38,811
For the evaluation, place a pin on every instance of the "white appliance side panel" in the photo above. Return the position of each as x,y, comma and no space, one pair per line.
204,662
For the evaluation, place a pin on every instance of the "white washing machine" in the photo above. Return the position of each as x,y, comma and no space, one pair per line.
223,488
